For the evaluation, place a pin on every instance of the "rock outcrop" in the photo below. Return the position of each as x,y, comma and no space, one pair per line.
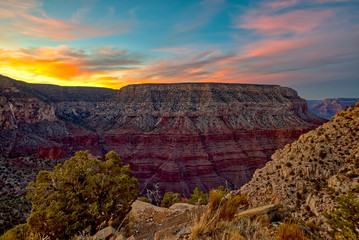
180,136
327,108
308,174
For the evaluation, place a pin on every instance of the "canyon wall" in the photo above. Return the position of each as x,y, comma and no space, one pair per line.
180,136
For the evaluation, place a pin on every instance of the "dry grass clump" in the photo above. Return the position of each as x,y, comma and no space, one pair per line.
230,207
205,225
290,231
215,199
232,235
251,229
219,222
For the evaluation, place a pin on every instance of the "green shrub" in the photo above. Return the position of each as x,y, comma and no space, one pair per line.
170,198
144,199
19,232
198,197
79,194
344,221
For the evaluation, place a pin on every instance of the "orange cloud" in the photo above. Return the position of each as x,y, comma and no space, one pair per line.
67,66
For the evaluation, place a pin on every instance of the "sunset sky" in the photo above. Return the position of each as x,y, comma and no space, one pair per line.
309,45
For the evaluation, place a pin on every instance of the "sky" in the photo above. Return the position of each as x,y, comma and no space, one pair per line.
311,46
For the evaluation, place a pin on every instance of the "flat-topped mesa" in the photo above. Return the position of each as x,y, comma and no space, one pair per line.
202,134
202,98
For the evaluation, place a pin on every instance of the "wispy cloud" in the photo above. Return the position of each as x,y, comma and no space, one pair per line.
175,50
198,15
27,17
278,5
332,1
298,21
292,47
287,42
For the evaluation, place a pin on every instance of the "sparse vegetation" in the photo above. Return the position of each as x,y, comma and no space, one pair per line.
198,197
144,199
313,227
290,231
230,206
18,232
215,199
170,198
344,221
218,221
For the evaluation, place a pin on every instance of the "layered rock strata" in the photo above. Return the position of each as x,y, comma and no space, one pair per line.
200,135
178,136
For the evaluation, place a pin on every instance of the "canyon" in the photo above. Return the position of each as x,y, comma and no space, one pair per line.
179,136
327,108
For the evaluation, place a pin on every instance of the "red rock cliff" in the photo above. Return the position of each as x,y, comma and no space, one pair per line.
202,135
178,135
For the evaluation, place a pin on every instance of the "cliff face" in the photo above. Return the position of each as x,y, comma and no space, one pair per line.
309,173
180,136
327,108
30,127
194,135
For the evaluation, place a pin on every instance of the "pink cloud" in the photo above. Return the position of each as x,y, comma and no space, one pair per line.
274,47
331,1
57,30
28,18
277,5
299,21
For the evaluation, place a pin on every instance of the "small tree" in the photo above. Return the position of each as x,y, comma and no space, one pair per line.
170,198
83,192
198,197
345,220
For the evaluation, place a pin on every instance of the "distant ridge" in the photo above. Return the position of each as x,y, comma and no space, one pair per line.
328,107
50,93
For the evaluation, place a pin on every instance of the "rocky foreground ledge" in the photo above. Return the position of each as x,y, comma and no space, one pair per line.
308,174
